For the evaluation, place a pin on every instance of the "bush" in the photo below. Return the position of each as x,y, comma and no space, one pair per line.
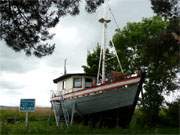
170,116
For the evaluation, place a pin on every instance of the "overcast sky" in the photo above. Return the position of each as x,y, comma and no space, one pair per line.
30,77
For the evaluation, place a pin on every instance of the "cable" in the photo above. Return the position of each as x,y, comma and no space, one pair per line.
117,57
113,15
98,75
111,39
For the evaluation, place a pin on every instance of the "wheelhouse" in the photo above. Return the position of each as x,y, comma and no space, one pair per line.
73,82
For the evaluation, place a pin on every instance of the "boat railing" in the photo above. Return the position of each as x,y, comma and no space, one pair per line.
52,93
59,93
55,93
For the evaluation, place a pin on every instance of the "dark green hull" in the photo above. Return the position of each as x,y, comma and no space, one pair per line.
113,106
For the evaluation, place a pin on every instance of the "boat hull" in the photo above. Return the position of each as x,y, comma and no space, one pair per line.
109,107
107,100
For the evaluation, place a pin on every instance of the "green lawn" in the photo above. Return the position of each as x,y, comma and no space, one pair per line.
12,123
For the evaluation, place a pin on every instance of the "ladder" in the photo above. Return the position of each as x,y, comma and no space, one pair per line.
60,111
64,111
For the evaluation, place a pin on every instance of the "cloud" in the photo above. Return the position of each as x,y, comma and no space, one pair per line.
30,77
75,35
15,62
10,85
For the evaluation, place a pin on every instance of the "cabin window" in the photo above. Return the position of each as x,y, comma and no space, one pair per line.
88,82
77,83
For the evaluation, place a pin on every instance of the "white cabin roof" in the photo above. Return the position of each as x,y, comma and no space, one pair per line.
65,76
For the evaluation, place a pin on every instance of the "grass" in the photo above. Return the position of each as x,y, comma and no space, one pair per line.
12,123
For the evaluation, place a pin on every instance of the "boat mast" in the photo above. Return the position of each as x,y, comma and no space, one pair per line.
104,20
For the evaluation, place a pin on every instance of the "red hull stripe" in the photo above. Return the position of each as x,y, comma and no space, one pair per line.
99,89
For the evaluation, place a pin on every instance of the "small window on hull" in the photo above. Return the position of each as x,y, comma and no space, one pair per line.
77,83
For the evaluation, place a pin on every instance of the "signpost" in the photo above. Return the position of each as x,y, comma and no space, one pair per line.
27,105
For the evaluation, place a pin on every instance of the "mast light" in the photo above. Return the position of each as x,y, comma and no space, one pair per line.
102,20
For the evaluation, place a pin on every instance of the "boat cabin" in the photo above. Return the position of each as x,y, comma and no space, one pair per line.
73,82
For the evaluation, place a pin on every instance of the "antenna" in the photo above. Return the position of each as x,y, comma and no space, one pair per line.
65,72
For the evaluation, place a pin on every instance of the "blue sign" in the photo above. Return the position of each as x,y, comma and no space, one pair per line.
27,105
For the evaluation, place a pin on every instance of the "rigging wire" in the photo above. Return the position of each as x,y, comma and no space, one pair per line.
101,51
117,57
110,10
100,59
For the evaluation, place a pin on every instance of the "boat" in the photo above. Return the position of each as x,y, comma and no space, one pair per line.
94,99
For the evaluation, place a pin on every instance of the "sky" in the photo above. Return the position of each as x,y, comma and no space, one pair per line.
31,77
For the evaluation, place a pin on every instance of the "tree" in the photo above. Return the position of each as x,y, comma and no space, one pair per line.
149,44
169,10
93,61
173,112
24,24
170,114
166,8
